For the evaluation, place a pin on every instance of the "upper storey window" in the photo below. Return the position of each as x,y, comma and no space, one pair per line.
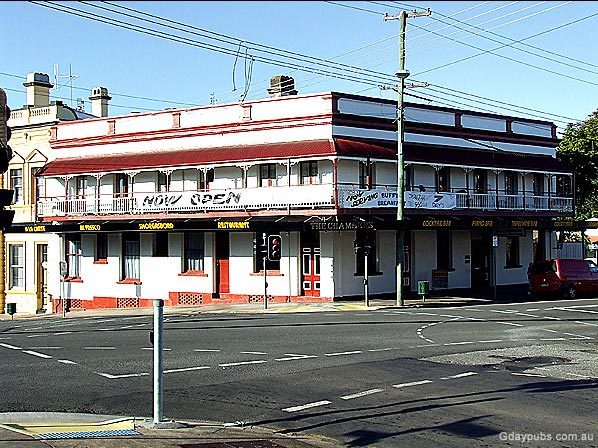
121,185
267,175
538,184
480,181
511,183
366,175
16,184
309,173
443,179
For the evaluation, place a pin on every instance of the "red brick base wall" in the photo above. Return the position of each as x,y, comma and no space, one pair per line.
178,298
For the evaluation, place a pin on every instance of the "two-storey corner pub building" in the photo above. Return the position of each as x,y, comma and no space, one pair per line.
175,204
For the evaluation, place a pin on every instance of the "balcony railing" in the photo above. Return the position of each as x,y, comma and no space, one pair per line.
294,197
264,198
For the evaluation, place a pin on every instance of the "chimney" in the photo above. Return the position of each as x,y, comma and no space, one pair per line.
38,89
282,85
99,101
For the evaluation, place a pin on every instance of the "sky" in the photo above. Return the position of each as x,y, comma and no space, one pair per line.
525,59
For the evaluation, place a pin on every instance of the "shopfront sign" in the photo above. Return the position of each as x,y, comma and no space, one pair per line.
233,225
434,201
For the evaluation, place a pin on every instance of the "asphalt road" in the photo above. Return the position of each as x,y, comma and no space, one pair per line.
492,375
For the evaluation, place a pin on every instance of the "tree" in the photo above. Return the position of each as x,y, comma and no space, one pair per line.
579,150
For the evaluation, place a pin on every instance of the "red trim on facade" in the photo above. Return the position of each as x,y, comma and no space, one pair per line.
193,274
269,273
103,261
129,281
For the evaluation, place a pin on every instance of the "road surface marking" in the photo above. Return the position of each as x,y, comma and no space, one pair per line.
585,323
307,406
14,347
99,348
66,361
552,318
552,331
490,341
578,375
381,349
186,369
459,343
426,345
296,357
577,335
527,374
4,339
63,332
427,314
356,352
362,394
35,335
44,348
502,311
128,375
552,339
205,350
413,383
242,363
510,323
459,375
533,309
151,348
40,355
253,353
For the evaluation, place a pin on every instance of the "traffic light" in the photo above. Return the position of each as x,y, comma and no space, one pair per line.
274,247
5,150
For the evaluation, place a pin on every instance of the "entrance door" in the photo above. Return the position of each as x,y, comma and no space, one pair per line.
481,253
42,276
310,264
222,259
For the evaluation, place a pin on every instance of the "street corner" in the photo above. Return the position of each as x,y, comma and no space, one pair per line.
74,430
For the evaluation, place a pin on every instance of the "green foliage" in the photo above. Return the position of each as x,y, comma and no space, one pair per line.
579,150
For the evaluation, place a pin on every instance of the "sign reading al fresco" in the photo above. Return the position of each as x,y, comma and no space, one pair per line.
382,198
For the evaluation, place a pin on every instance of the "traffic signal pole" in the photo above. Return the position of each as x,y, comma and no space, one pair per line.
265,272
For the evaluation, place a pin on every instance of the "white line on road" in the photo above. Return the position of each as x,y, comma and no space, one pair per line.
552,331
586,323
427,314
114,377
490,341
307,406
35,335
426,345
253,353
205,350
533,309
577,335
381,349
510,323
459,375
186,369
40,355
44,348
296,357
362,394
356,352
528,374
63,332
4,339
459,343
66,361
99,348
413,383
242,363
14,347
552,339
151,348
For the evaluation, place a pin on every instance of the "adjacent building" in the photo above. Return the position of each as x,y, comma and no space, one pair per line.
177,204
26,261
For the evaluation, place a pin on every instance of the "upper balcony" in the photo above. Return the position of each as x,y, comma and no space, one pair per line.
296,197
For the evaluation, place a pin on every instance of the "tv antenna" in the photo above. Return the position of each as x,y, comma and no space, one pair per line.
70,77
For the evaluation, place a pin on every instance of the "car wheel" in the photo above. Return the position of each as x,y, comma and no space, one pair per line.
571,292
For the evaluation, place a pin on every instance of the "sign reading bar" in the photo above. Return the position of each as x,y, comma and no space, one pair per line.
233,224
30,229
437,223
524,223
156,226
482,223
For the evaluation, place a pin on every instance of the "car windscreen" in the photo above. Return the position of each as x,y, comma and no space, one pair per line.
542,267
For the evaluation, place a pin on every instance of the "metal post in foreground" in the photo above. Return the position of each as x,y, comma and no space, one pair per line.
265,271
365,279
158,387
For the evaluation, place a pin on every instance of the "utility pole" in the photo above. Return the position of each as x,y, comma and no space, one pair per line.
401,74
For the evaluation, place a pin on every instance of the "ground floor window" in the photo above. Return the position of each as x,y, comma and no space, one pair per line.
193,252
512,252
16,266
444,250
130,265
160,248
73,255
101,252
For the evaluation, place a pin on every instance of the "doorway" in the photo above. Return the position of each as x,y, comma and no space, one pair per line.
310,263
222,264
42,276
481,254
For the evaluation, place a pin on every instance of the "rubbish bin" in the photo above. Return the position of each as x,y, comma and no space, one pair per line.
423,288
11,308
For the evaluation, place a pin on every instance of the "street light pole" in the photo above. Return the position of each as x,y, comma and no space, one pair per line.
401,74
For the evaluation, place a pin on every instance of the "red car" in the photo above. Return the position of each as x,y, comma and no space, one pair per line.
567,277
